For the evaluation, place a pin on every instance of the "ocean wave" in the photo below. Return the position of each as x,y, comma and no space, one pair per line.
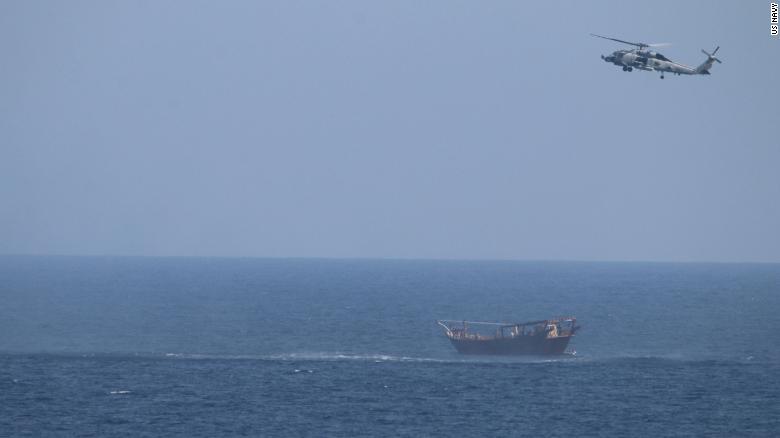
672,358
579,359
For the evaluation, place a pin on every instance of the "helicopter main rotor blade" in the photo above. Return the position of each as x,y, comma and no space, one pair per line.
640,45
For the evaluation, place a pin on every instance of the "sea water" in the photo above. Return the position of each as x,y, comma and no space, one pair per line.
111,346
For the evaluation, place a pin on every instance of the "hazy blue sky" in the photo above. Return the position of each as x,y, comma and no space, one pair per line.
425,129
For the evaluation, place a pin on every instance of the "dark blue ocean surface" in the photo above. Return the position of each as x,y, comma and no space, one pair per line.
111,346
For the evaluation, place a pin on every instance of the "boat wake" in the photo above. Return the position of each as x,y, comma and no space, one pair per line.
375,358
324,356
310,356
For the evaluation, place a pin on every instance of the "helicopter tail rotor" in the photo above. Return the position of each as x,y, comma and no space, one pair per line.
704,68
711,56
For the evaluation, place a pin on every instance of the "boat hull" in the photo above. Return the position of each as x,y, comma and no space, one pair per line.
521,345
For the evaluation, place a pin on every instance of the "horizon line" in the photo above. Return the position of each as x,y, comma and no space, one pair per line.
396,258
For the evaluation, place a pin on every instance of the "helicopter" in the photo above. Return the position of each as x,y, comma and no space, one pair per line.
650,60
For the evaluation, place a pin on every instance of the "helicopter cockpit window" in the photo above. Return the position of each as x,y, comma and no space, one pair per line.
661,57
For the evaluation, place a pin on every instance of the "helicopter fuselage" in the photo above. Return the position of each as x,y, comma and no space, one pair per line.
648,60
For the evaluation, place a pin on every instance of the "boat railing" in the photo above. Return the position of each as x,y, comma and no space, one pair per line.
556,327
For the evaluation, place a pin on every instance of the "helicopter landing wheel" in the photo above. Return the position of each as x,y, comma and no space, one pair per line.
624,68
630,68
662,76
